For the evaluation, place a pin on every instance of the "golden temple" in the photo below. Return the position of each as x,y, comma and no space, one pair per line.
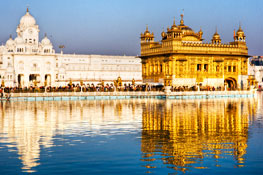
181,58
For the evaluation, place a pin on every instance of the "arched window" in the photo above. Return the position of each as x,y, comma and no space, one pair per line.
34,67
205,67
217,68
198,67
48,66
234,68
21,65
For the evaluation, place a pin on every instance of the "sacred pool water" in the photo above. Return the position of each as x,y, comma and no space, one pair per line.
135,136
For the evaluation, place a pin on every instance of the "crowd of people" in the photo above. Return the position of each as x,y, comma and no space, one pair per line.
7,91
79,88
103,88
4,94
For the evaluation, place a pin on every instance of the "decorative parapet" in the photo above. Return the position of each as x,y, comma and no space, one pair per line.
196,48
209,45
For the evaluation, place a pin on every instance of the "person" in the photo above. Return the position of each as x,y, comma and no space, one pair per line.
2,93
7,96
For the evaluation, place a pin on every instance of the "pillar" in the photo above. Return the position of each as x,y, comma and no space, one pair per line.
173,67
26,80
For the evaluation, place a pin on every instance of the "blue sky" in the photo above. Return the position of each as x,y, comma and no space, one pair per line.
114,26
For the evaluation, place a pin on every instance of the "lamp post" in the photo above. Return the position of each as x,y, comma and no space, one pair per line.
61,48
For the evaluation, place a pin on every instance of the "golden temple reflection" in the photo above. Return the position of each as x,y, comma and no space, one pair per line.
29,126
186,132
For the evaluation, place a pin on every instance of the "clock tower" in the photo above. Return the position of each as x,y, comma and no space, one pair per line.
28,30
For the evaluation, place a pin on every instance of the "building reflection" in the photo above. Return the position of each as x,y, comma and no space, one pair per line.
188,133
29,127
178,132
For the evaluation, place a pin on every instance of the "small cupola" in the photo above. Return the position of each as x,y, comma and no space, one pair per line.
239,35
216,38
147,36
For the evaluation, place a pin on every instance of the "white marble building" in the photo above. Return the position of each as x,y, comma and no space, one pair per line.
255,69
26,61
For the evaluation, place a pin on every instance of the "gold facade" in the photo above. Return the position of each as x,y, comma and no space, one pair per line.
181,58
188,132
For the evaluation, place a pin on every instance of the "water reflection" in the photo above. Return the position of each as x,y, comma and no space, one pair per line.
31,126
178,134
188,133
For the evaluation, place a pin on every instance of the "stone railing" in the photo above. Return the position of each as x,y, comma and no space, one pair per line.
132,93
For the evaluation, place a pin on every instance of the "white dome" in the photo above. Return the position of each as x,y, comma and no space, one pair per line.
45,41
10,42
2,48
19,40
27,20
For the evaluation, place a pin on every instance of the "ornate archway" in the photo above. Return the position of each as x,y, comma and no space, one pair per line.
20,79
34,79
231,83
47,80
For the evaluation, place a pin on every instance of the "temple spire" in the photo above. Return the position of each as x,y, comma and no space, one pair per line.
182,18
200,33
201,30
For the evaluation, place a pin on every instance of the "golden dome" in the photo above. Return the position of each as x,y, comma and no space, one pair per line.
216,36
183,27
146,33
240,35
186,28
147,36
163,34
240,32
